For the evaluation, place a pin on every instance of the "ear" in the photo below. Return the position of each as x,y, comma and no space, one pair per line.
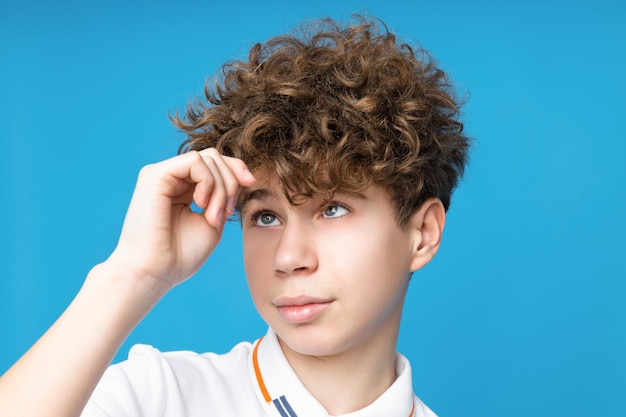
427,226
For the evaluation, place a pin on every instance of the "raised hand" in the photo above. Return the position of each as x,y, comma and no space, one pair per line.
163,241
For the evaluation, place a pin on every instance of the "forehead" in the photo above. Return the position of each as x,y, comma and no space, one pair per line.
267,187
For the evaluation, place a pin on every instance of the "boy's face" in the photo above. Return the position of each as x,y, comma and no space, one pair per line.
329,278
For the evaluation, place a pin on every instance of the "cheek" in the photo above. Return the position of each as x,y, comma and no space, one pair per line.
382,256
258,258
373,250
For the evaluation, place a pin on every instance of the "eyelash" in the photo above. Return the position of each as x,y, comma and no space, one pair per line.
335,204
257,214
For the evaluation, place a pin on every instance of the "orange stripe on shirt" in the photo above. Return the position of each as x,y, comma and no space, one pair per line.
257,373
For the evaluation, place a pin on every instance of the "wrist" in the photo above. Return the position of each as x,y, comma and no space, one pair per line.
131,289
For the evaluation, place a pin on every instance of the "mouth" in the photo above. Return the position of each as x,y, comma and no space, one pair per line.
300,300
302,309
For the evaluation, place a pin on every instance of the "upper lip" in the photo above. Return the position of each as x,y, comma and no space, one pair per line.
300,300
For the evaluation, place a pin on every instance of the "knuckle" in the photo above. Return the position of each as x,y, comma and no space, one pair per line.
210,152
146,171
195,156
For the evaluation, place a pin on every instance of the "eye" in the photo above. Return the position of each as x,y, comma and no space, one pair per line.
334,210
265,219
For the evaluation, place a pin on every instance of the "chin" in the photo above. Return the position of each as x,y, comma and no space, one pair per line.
309,343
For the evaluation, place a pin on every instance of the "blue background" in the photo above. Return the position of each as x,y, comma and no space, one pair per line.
523,312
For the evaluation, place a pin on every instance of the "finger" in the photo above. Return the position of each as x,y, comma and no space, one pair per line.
204,176
217,194
231,182
176,176
238,168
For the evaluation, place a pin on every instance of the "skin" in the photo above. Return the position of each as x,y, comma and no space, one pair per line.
330,279
163,243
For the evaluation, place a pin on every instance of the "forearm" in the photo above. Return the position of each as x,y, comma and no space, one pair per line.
58,374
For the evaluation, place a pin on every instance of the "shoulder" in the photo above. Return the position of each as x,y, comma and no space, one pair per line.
152,382
185,369
187,362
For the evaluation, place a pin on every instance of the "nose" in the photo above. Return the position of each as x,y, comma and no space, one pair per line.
296,251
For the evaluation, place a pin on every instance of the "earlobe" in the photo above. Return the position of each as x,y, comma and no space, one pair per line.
427,223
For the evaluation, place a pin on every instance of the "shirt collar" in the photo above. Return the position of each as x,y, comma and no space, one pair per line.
282,393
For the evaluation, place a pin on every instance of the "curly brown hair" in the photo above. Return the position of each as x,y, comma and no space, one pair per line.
332,107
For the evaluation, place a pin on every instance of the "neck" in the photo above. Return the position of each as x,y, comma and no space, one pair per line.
351,380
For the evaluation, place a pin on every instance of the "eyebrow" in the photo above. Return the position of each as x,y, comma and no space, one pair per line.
258,194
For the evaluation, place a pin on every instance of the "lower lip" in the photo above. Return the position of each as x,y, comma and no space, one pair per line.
303,313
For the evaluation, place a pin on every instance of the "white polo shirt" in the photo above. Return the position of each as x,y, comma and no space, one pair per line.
250,380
